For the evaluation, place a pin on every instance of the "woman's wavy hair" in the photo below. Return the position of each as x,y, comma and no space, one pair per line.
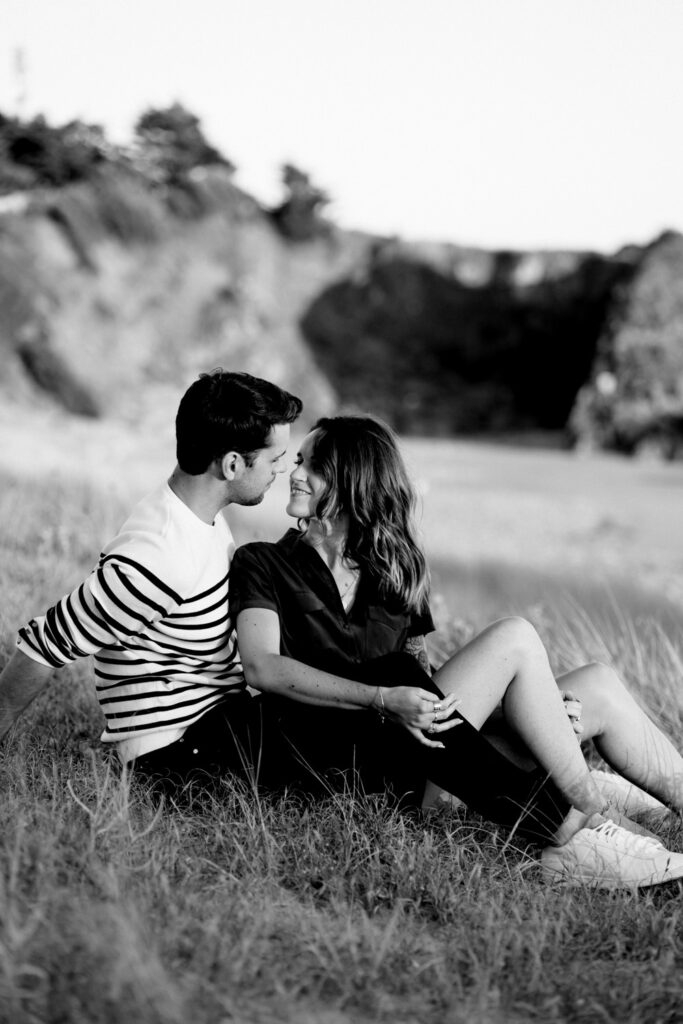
365,479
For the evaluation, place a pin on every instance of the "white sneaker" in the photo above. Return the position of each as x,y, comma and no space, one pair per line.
609,857
627,798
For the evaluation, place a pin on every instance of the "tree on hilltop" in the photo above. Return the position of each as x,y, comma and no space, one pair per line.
172,143
34,153
299,216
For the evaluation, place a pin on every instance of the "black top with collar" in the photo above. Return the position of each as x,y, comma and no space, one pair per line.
291,579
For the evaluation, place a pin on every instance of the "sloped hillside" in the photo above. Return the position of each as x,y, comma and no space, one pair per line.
108,303
115,293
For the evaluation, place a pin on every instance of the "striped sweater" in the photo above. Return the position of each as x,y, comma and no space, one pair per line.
154,613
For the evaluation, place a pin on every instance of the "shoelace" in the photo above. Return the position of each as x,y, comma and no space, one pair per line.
623,839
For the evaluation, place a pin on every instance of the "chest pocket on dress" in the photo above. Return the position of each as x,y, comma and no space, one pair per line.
384,631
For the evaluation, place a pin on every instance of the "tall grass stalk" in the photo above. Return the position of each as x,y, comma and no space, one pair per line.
267,908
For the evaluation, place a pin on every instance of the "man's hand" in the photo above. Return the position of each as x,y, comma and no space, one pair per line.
22,680
572,706
420,711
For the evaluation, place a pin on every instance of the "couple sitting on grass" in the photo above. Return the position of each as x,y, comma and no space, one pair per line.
328,626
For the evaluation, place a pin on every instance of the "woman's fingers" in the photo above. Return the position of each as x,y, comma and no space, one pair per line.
419,709
428,737
573,707
435,700
433,725
445,726
429,703
572,703
439,714
424,740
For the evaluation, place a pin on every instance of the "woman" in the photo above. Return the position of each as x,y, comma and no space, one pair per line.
331,623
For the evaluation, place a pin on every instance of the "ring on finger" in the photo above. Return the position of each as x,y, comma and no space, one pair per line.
436,707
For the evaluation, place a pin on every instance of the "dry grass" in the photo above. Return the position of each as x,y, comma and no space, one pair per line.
267,909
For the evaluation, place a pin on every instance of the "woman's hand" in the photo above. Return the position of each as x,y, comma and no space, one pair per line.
420,711
572,706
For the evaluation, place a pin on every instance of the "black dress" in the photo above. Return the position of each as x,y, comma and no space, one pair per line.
329,747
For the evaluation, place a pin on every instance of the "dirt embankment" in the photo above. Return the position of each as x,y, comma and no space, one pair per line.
111,302
108,304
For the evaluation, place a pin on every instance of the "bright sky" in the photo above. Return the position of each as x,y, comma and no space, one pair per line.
501,123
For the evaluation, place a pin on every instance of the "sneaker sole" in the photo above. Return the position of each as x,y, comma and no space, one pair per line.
562,878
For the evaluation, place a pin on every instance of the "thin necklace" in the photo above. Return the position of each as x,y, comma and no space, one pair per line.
347,592
352,581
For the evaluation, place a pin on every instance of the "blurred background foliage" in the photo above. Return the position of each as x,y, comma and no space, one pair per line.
155,253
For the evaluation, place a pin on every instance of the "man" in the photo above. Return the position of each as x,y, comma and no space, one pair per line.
154,611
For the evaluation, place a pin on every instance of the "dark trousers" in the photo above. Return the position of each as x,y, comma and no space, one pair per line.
229,740
275,742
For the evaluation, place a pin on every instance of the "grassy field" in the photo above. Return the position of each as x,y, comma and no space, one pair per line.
264,910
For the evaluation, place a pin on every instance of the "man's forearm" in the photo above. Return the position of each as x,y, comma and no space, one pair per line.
21,681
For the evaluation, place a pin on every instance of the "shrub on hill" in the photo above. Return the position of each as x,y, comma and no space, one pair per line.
170,143
299,216
33,153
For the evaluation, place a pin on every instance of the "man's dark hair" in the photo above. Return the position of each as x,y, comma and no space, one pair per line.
223,412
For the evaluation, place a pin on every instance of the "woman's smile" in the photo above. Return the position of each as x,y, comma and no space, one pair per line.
304,482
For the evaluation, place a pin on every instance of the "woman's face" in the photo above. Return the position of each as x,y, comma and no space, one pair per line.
305,485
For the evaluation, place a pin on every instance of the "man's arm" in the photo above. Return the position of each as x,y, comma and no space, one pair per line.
21,681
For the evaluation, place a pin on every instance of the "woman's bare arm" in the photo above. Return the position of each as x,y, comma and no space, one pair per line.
258,640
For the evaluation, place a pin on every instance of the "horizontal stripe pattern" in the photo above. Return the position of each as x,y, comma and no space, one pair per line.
161,661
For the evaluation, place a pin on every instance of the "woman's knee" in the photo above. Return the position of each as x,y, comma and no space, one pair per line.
517,635
603,683
602,693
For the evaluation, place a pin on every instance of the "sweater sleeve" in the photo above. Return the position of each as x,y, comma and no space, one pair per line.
119,599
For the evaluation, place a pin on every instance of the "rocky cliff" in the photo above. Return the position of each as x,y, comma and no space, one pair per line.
633,398
108,303
112,299
445,339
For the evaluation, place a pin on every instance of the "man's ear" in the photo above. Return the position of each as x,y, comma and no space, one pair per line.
231,464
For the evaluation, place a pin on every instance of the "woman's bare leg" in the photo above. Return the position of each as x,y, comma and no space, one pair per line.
507,662
624,735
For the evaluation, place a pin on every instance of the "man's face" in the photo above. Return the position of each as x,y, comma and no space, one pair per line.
255,480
